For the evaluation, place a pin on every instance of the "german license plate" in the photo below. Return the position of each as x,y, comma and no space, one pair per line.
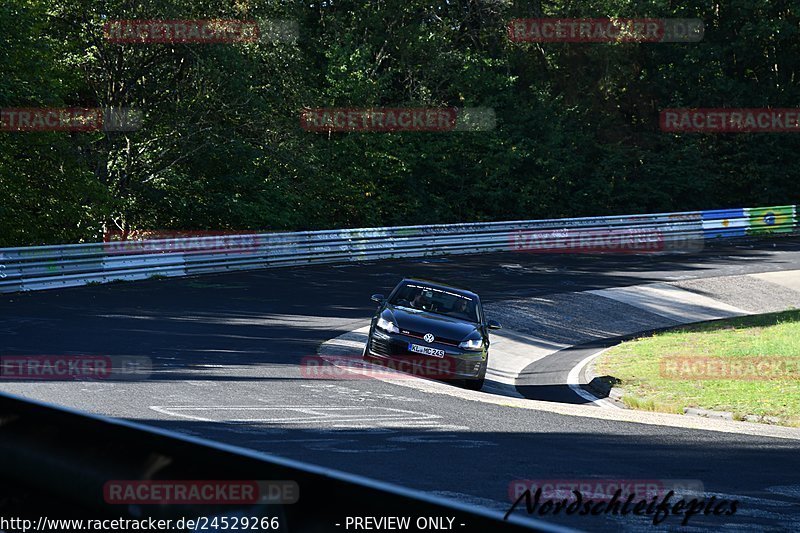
425,350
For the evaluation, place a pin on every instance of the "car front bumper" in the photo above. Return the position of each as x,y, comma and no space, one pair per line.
456,363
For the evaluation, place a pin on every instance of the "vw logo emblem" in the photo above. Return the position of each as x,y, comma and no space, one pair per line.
428,337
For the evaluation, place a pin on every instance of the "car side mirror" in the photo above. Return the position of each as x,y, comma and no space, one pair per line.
493,324
377,298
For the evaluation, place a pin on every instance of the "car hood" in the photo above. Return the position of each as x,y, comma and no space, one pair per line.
422,322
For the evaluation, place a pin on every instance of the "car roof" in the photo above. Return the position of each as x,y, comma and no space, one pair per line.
436,285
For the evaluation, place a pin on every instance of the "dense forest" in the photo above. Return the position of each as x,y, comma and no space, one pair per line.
220,145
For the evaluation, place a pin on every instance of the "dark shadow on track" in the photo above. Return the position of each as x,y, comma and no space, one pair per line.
498,459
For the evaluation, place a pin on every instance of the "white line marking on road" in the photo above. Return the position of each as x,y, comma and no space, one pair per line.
300,414
573,380
165,411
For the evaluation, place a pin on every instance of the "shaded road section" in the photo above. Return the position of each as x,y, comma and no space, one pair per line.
226,348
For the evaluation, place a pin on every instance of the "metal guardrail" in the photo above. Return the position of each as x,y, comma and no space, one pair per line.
57,463
45,267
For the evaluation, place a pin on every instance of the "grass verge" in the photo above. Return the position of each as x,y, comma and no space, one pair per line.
749,366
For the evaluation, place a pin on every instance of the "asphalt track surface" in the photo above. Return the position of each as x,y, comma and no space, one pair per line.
226,353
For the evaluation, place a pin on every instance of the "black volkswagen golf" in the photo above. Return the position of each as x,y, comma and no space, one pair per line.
433,330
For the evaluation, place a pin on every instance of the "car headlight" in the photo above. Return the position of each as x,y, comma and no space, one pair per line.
472,344
386,325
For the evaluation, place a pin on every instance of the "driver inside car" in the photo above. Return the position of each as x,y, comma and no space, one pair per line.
421,302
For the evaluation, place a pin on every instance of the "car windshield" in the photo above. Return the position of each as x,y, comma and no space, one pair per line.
435,300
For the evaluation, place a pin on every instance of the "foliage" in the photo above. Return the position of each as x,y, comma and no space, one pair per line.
220,145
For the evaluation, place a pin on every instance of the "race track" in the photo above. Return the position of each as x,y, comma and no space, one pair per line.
226,351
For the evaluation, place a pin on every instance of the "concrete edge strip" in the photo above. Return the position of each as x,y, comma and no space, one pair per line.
670,301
